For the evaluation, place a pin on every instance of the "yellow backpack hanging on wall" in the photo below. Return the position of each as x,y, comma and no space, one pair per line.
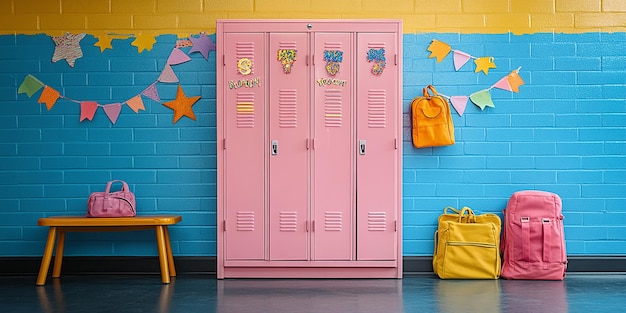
431,120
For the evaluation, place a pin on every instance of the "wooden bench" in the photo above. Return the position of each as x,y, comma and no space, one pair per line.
62,224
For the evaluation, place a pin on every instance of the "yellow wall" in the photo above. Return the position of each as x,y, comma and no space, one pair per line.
183,17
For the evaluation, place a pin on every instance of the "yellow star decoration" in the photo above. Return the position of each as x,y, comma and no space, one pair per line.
484,64
104,42
143,42
438,49
182,105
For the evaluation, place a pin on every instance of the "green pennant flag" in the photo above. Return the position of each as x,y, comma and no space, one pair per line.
30,85
482,99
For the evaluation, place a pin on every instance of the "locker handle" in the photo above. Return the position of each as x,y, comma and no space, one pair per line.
274,147
362,147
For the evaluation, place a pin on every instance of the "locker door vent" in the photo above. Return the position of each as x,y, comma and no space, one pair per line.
376,108
245,110
376,221
332,108
245,221
287,109
333,221
246,50
288,221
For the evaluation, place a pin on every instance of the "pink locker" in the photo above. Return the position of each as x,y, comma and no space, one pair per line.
333,168
309,154
244,146
288,152
378,146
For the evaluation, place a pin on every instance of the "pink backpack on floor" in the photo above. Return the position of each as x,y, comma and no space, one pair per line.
533,241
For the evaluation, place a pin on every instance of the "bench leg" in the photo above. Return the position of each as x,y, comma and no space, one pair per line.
170,257
47,256
58,256
165,273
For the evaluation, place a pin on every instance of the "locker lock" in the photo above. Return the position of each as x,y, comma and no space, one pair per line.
362,147
274,147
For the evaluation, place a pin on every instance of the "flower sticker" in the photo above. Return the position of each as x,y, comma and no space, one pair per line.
333,60
377,56
286,58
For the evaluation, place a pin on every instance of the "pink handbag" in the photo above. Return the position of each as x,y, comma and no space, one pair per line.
112,204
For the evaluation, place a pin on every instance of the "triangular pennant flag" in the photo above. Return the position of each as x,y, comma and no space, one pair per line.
49,96
113,111
177,57
503,84
136,104
152,93
482,99
460,58
459,103
514,81
168,76
438,49
88,110
30,85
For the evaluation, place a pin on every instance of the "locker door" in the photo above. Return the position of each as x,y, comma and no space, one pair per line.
377,164
244,146
288,153
333,167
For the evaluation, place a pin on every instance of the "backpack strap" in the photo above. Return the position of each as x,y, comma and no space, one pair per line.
525,239
547,234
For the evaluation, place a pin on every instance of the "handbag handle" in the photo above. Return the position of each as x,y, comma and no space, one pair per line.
124,186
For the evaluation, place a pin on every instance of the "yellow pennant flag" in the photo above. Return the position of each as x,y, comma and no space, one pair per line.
439,49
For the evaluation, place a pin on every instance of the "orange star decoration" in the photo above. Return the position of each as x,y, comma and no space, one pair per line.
143,42
484,64
182,105
439,49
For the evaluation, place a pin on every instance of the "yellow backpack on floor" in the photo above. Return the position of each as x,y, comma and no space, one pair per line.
467,246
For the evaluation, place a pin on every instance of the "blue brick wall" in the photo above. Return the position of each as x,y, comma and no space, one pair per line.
565,132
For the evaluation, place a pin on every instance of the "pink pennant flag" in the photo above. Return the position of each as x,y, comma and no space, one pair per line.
88,110
177,57
503,84
460,58
459,103
168,76
136,104
113,111
152,93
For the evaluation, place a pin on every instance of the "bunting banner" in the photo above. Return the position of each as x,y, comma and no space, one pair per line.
88,109
439,49
482,98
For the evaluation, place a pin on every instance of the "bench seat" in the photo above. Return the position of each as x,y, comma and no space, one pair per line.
62,224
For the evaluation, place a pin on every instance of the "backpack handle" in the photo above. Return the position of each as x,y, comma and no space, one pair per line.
465,211
432,89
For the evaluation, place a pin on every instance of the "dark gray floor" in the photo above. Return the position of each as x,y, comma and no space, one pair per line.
202,293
